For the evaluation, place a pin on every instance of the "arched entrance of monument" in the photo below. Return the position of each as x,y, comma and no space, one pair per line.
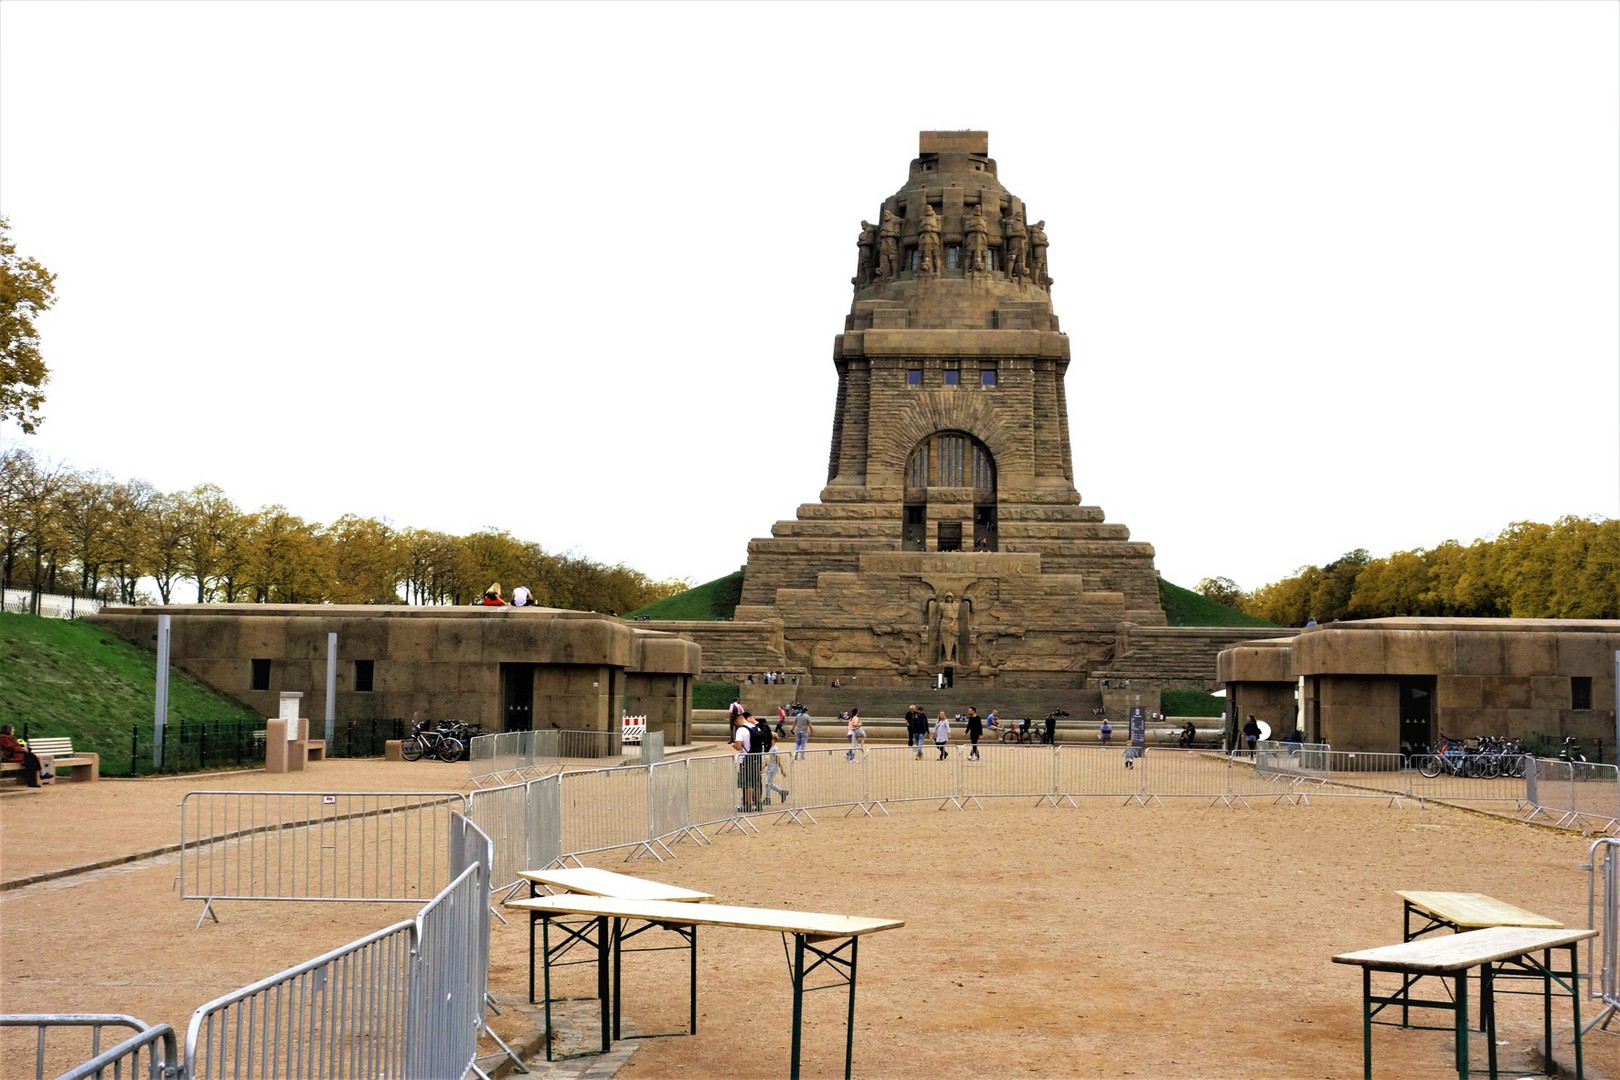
959,462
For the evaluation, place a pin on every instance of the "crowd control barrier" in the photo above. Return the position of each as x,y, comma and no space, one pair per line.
1603,914
151,1052
311,845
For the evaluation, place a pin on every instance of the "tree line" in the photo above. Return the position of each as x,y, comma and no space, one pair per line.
63,530
1567,570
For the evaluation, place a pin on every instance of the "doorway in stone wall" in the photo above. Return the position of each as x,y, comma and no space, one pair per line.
1417,713
517,697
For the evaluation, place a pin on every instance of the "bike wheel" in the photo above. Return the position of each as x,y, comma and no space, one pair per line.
1429,765
450,749
1490,767
411,749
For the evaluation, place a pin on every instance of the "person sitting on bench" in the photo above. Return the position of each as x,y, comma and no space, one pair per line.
13,749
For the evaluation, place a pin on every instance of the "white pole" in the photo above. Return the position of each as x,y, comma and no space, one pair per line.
160,709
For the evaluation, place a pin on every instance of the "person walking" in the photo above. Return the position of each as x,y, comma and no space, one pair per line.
802,730
743,741
975,728
1251,732
774,767
916,728
942,735
857,734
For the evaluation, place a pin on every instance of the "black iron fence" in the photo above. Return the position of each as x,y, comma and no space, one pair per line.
199,745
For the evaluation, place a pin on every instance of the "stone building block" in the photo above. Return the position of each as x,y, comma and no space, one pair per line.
1461,691
459,641
1588,654
1502,692
411,640
1526,654
1549,692
362,639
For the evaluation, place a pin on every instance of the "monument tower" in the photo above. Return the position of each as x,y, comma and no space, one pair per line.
950,538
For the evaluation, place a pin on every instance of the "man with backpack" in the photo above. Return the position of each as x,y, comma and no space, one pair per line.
746,740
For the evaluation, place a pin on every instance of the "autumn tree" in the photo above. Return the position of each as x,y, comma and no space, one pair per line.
130,551
1222,590
209,521
89,524
27,290
365,561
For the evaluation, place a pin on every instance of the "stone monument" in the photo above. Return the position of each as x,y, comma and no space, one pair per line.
950,538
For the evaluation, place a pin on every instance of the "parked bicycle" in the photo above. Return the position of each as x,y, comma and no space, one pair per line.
1571,750
439,743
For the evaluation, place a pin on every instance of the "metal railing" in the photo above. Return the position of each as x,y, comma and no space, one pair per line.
343,1013
151,1052
1603,914
1576,794
310,845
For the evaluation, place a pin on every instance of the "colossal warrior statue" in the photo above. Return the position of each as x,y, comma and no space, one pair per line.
1012,228
863,267
1037,254
978,239
950,479
928,249
888,247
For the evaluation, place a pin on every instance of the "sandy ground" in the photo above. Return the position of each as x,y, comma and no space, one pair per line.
1182,940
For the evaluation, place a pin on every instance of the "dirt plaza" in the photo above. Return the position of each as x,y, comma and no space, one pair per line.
1112,938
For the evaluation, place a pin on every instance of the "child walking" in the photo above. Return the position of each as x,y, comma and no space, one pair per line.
775,766
942,735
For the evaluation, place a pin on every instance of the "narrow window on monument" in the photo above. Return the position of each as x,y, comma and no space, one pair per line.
1580,691
261,674
914,376
912,265
987,376
916,530
953,256
362,676
953,376
984,528
990,259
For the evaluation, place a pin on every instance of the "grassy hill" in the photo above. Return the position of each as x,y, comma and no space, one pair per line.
715,600
1183,607
67,677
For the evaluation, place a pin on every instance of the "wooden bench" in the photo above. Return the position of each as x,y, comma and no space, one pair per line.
59,750
1498,948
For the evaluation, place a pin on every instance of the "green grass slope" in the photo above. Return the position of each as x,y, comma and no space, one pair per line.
1183,607
67,677
712,600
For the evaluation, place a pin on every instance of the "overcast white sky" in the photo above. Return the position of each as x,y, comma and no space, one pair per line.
1336,275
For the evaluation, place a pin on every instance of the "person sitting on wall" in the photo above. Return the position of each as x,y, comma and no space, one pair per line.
492,596
1188,734
13,749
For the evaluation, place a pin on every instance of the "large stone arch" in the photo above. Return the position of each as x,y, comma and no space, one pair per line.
958,469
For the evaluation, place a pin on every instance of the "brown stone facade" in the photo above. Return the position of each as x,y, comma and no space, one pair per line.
1377,685
502,668
949,537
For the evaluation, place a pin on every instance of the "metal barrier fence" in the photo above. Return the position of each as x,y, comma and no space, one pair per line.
151,1052
449,978
311,845
1576,794
345,1013
503,814
516,756
1603,864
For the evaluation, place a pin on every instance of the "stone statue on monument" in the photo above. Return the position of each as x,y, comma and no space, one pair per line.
1037,253
888,247
977,232
948,621
867,242
928,247
1015,236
